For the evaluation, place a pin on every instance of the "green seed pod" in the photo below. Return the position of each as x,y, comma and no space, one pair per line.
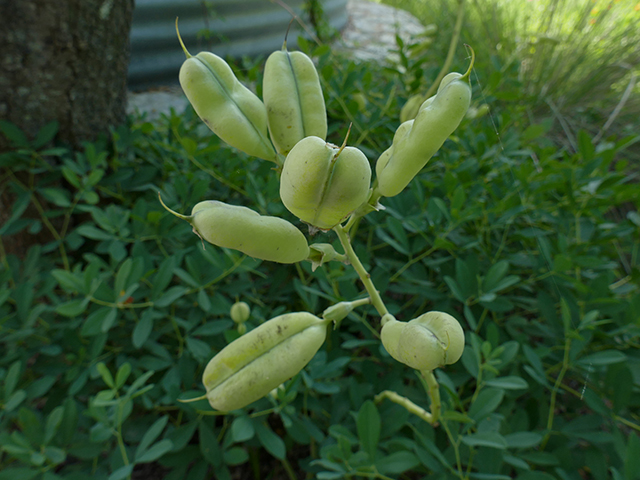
251,366
415,143
294,101
322,184
232,111
259,236
410,109
240,312
430,341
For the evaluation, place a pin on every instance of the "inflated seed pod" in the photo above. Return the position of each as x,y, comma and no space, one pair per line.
321,183
251,366
416,142
294,101
430,341
232,111
259,236
240,312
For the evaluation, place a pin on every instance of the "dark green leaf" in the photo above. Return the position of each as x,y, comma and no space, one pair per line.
368,424
270,441
523,439
486,439
508,383
486,402
170,296
397,462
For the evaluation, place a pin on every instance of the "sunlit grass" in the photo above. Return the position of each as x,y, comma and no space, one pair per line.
576,60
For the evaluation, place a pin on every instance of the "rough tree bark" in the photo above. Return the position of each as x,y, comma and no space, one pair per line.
63,60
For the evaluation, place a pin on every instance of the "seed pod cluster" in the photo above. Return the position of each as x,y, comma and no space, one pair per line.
251,366
427,342
416,141
322,184
293,97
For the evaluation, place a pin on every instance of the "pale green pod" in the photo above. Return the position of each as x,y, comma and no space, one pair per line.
412,147
293,97
240,312
232,111
411,107
251,366
432,340
322,184
259,236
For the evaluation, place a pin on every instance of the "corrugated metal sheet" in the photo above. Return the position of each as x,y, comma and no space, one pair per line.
237,28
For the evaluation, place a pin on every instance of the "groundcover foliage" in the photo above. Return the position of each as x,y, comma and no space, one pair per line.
104,327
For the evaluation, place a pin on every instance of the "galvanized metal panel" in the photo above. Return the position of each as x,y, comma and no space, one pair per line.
237,28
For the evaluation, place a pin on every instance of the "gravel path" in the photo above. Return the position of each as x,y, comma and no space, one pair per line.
369,34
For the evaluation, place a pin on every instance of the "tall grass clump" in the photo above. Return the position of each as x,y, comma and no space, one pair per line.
576,61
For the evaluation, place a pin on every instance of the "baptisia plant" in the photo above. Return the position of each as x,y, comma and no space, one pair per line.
329,188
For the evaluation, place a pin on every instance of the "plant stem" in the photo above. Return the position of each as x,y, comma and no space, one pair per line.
365,277
452,49
433,390
554,392
406,403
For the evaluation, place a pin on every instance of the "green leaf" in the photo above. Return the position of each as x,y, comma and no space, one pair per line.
12,377
508,383
214,327
105,374
122,276
397,462
123,373
270,441
155,451
485,439
170,296
57,196
15,135
69,281
143,329
523,439
15,400
73,308
89,231
18,473
122,473
466,279
199,349
53,423
235,456
46,134
602,358
455,289
368,425
242,429
99,321
151,435
486,402
209,446
632,458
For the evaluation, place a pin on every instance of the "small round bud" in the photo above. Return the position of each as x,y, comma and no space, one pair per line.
240,312
242,328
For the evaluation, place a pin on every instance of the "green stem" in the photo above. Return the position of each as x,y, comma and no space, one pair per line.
287,466
452,49
554,393
433,390
406,403
365,277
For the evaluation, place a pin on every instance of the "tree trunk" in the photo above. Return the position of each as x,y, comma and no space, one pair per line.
64,60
